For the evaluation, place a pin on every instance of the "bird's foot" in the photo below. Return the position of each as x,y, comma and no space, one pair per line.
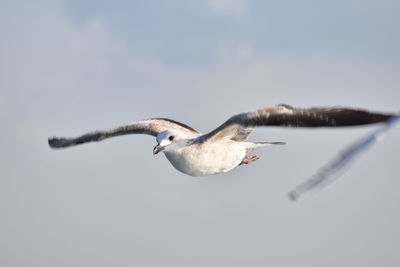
248,159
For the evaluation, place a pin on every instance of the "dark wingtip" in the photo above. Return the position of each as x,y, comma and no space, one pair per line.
293,196
58,142
279,143
376,118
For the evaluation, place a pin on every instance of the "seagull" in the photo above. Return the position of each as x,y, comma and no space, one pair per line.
226,147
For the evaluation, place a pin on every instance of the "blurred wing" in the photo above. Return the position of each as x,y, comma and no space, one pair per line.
238,127
331,171
150,126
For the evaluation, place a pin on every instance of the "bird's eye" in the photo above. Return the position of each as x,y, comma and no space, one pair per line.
171,138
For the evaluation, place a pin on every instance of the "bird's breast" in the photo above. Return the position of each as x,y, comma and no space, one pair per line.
199,160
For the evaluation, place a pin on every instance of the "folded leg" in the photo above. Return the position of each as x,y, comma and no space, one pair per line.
249,159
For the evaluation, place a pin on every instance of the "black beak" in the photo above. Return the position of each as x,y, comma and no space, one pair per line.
157,149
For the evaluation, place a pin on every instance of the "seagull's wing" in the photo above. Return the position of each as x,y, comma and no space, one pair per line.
332,169
150,126
238,127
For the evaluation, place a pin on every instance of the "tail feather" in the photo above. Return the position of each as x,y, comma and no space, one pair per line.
270,143
252,146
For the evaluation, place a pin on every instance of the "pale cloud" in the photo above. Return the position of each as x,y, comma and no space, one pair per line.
53,55
228,51
2,99
235,8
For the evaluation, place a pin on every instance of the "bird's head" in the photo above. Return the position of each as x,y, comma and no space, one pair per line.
164,139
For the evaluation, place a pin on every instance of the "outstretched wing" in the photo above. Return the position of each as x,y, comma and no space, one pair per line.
150,126
238,127
332,169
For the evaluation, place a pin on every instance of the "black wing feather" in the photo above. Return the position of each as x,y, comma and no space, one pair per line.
289,116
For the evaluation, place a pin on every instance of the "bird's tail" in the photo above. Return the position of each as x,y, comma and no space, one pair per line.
252,146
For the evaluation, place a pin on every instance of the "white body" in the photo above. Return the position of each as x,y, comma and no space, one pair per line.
205,159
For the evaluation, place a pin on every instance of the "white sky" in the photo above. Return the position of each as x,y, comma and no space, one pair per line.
68,67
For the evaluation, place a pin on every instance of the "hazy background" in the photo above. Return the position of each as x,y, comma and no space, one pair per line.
67,67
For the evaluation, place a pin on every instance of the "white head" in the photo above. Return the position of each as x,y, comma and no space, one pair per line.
166,138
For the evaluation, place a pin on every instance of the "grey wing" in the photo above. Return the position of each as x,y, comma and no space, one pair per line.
238,127
332,169
151,126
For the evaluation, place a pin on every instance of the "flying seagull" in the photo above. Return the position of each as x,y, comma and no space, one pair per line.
226,147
